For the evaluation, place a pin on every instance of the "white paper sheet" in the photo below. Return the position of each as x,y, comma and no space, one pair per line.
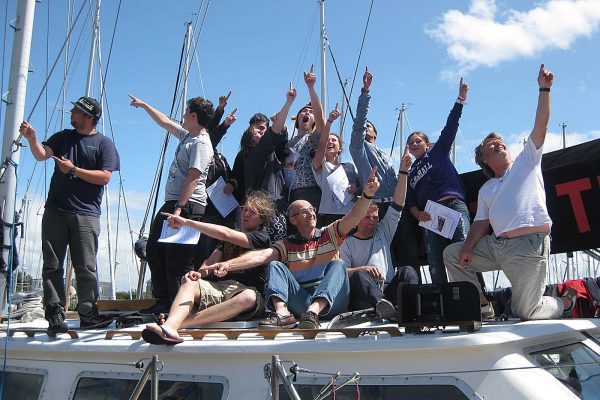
443,219
183,235
338,182
224,203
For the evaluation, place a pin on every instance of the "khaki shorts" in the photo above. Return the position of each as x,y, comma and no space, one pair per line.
212,293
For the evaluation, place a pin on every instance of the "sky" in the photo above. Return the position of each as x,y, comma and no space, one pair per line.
416,51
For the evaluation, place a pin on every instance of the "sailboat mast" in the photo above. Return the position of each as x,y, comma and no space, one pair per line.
15,110
95,28
323,66
186,66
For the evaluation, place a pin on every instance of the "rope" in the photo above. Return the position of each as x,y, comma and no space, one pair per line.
112,40
357,63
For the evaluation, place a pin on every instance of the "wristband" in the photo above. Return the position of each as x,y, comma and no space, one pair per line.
330,121
180,205
72,172
403,172
367,197
544,89
363,90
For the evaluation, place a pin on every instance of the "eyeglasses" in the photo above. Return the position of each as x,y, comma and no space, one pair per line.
305,212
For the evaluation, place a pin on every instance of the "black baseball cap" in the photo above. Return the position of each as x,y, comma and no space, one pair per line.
89,106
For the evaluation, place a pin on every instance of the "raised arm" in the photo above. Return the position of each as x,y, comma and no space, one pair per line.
40,152
350,220
161,119
448,134
310,78
400,191
317,162
216,134
542,114
281,116
357,138
219,232
219,111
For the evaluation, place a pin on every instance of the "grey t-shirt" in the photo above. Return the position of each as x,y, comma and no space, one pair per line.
192,152
376,250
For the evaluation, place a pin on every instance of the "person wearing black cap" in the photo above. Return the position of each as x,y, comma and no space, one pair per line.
84,162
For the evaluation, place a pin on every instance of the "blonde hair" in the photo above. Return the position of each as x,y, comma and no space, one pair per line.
262,204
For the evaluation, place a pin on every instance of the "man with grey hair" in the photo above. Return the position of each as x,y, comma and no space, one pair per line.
513,203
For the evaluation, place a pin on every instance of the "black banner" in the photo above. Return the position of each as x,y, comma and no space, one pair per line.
572,182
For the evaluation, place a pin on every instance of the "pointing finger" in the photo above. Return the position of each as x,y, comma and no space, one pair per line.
312,68
366,68
234,111
372,174
461,81
291,87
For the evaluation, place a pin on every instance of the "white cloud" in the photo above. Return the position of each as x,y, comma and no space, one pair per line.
479,37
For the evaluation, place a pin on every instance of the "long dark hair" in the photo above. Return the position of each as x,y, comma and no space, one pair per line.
246,140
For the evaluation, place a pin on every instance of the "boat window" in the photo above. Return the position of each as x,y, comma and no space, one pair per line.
382,392
21,385
574,365
169,387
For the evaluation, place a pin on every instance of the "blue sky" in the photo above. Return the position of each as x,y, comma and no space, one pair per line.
417,52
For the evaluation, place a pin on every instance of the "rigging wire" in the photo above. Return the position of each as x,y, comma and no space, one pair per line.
69,67
3,56
357,64
45,85
305,45
112,40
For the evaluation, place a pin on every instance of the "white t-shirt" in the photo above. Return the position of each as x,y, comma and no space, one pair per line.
192,152
517,199
330,204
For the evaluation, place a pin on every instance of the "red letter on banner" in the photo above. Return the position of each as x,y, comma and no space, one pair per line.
573,189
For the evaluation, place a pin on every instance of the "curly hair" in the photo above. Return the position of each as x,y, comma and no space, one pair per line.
203,109
487,171
261,203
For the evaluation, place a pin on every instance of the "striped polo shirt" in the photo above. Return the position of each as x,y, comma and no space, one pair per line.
307,258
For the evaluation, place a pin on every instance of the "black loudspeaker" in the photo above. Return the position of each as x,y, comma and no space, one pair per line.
438,304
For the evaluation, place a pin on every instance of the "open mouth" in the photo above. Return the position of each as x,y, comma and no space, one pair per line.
305,119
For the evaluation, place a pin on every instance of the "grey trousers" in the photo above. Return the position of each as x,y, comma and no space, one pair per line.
523,260
59,230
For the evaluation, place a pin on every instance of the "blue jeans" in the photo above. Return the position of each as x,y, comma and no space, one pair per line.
435,244
334,288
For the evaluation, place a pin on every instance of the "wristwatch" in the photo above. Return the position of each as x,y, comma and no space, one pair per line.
179,205
72,173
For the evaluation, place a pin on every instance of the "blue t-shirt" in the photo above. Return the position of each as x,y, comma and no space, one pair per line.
91,152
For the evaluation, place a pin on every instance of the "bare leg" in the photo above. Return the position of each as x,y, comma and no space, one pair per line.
233,307
280,306
318,305
188,294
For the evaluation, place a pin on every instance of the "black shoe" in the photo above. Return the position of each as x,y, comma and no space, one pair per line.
56,321
97,322
159,308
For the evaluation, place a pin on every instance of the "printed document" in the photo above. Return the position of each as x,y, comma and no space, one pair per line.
443,219
224,203
183,235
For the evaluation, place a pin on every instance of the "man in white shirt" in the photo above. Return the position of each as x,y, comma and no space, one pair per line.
513,203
